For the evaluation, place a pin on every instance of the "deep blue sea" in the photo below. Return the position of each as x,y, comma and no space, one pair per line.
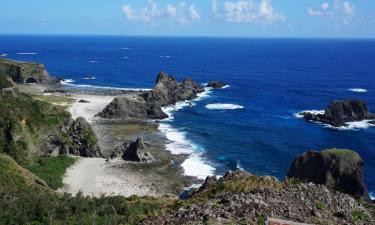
272,79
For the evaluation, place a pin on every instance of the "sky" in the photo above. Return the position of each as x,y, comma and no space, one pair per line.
228,18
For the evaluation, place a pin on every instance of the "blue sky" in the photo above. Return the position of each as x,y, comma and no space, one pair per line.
237,18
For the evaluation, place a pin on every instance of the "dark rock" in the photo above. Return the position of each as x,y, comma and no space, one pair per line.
340,170
148,105
75,137
84,139
83,101
216,84
168,91
136,151
339,112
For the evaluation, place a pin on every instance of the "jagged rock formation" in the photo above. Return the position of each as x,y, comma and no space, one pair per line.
339,112
24,72
216,84
340,170
149,105
136,151
76,137
243,198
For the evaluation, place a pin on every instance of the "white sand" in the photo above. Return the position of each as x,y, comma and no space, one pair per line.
88,110
94,177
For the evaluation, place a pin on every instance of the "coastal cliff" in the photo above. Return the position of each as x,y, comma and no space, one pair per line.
24,72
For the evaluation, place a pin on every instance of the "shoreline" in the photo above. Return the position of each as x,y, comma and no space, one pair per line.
118,177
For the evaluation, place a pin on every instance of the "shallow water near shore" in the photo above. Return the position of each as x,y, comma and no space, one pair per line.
250,124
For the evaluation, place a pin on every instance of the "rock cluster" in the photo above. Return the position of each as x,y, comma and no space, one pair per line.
216,84
148,105
135,151
337,169
339,112
75,137
304,203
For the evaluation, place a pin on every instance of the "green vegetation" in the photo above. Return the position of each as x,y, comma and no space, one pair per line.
24,200
357,216
53,99
320,205
261,219
4,82
336,151
52,169
23,121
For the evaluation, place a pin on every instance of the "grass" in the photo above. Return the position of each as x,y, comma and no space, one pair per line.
320,205
52,169
11,177
54,99
336,151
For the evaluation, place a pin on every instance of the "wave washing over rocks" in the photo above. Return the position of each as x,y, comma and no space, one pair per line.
195,165
358,90
357,125
224,106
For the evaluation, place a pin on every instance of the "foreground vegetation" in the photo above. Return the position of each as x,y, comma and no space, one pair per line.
52,169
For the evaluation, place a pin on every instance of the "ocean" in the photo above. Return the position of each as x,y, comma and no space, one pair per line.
252,123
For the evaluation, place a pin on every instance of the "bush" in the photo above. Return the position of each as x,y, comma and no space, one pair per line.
4,82
52,169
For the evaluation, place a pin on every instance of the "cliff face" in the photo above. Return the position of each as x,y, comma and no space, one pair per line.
24,72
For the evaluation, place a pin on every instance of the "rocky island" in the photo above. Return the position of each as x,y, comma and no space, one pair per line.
61,164
340,112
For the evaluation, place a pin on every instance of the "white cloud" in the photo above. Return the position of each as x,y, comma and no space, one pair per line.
194,14
250,12
180,13
145,14
341,10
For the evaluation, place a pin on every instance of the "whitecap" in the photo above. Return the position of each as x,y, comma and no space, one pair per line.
89,78
93,61
223,106
196,166
226,86
106,87
67,81
3,55
314,112
165,56
125,57
358,90
372,196
27,53
126,48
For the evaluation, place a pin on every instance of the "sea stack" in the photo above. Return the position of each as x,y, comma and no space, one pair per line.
340,112
216,84
337,169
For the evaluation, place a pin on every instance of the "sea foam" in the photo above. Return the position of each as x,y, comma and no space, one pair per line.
3,55
27,53
358,90
224,106
177,143
364,124
372,196
70,82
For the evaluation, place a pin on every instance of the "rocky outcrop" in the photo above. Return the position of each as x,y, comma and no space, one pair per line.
216,84
136,151
339,112
337,169
149,105
168,91
243,198
75,137
24,72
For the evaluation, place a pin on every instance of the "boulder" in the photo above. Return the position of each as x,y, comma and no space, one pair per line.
125,107
339,112
216,84
83,101
340,170
136,151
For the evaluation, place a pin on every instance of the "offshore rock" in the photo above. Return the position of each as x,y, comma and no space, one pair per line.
216,84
